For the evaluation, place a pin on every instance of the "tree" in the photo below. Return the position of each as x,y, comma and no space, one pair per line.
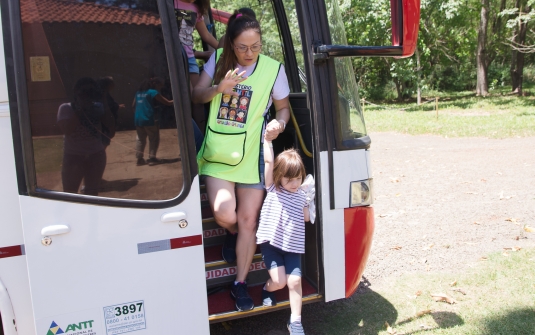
482,86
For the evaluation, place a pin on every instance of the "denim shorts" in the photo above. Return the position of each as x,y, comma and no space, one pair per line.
274,257
193,67
261,168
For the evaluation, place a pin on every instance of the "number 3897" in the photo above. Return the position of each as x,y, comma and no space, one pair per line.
128,309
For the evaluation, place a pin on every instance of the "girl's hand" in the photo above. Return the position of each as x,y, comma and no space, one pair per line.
232,78
273,129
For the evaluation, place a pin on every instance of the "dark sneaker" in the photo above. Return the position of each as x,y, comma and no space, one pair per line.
244,302
154,161
140,161
229,248
295,328
268,298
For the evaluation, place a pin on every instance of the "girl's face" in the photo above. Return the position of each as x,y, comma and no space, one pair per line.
248,38
234,100
291,184
243,101
232,113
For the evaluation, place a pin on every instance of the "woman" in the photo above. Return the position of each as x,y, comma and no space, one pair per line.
231,158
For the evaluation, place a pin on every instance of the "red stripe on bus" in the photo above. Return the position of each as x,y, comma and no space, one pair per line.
188,241
15,250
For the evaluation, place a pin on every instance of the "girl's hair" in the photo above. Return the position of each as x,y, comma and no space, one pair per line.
150,83
203,5
288,164
236,26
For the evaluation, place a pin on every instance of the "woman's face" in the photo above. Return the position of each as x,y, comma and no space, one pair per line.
248,38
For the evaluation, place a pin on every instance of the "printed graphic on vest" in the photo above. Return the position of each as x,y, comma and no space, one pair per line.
233,110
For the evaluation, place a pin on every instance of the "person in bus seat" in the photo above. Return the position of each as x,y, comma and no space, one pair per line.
231,160
281,229
145,119
82,122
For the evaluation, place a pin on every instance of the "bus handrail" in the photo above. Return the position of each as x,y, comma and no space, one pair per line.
298,132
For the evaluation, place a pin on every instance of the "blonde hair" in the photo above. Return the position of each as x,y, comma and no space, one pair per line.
288,164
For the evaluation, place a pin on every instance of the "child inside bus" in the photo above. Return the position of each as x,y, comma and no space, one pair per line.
281,230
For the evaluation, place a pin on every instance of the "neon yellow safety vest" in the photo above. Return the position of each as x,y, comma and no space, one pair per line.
231,146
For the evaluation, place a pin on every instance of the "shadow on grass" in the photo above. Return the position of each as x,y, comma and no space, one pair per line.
517,322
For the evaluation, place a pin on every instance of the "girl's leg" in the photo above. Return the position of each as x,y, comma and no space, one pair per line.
296,294
223,202
249,205
277,279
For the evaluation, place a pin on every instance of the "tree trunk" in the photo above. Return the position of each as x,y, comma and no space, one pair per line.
482,87
418,76
399,89
517,61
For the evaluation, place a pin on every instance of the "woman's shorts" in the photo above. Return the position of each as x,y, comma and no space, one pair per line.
274,257
261,169
193,66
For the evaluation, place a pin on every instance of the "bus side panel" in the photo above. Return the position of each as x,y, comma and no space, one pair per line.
13,267
333,239
350,165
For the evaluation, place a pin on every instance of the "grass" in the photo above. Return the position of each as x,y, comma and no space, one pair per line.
459,115
499,300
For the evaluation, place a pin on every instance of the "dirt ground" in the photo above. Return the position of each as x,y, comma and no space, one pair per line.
441,204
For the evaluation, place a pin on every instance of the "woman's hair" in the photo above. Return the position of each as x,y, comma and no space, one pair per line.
105,83
150,83
288,164
237,25
86,88
203,5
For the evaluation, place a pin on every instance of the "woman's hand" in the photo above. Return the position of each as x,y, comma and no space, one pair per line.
232,78
273,129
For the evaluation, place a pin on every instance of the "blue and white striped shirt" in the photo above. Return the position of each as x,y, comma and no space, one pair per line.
282,222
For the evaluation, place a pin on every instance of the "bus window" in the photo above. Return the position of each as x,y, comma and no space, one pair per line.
291,16
350,119
117,139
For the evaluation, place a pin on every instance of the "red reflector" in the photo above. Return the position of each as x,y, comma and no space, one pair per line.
184,242
12,251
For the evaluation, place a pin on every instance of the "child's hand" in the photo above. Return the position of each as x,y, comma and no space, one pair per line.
232,78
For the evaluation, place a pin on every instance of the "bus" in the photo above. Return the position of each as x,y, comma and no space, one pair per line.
142,252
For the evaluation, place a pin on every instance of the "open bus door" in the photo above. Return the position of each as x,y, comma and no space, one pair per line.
122,259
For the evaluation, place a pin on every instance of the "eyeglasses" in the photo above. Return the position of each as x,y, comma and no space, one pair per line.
243,49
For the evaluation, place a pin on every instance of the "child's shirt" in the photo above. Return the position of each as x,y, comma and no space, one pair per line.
187,15
144,116
282,222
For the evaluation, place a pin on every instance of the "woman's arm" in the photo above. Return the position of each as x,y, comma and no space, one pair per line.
161,99
269,158
205,34
275,127
204,92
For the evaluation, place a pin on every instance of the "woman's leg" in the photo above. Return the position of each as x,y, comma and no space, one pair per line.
249,205
94,168
223,202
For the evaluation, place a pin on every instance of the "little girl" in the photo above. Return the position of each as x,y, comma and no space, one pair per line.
281,231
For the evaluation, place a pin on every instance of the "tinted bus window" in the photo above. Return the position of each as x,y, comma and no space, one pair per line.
100,103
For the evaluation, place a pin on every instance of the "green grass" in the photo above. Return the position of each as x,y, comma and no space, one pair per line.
459,115
499,300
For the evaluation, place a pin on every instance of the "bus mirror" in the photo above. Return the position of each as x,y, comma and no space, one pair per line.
405,16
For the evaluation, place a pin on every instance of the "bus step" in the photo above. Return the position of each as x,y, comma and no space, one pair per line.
221,305
213,234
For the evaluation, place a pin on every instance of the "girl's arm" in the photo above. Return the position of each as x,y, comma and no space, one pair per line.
204,92
306,213
134,103
269,159
160,98
205,34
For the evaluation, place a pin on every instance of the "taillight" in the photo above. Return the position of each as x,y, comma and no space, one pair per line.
361,193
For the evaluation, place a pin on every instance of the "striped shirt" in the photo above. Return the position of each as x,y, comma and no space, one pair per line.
282,222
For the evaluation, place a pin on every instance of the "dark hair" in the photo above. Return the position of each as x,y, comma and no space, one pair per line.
203,5
288,164
104,83
236,26
150,83
86,88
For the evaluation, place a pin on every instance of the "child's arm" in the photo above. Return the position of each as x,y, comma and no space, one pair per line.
306,213
269,159
160,98
205,34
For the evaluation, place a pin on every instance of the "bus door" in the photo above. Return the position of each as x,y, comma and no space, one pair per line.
110,210
343,173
